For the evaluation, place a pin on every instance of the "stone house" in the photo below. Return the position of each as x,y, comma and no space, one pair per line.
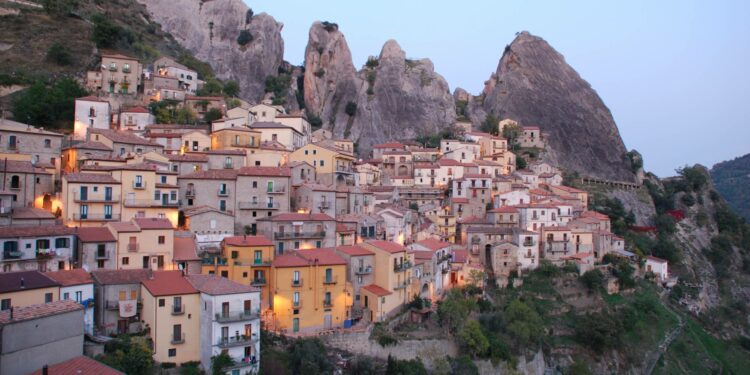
316,198
120,74
135,119
77,285
118,296
360,272
97,248
298,231
43,248
43,146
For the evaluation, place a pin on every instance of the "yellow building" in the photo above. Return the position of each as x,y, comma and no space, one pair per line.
172,312
90,199
392,286
332,164
310,292
26,288
246,260
237,138
144,243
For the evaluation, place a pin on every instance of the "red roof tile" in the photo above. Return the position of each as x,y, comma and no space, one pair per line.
153,223
95,234
119,277
36,231
293,216
376,290
391,247
389,145
39,311
136,110
433,244
354,250
324,257
289,259
72,277
655,259
217,285
168,283
80,365
13,281
185,249
265,171
247,241
91,178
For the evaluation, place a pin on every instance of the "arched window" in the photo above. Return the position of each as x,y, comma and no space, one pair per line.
15,182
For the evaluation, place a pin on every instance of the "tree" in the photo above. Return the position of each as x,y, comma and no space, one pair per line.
454,308
128,356
520,163
476,277
511,132
694,177
405,367
598,331
212,115
220,362
490,125
472,340
315,121
361,366
244,38
351,108
58,54
308,356
105,33
51,107
184,115
524,323
212,86
464,365
593,279
59,8
231,88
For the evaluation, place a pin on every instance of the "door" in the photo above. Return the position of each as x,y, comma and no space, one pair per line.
108,211
108,193
295,325
225,309
248,306
327,323
122,326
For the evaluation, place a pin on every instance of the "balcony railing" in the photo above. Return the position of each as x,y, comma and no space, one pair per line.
258,282
528,243
236,316
12,254
363,270
325,204
214,261
96,217
293,235
178,309
297,283
327,304
276,190
190,194
45,254
227,342
256,263
139,185
150,203
89,199
243,144
115,305
133,247
401,285
402,266
258,205
296,304
178,338
223,192
330,281
100,256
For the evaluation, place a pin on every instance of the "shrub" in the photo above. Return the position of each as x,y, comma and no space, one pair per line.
314,121
489,125
472,339
244,38
372,63
166,365
594,280
688,199
212,115
320,72
308,356
598,331
105,33
220,362
48,106
59,8
405,367
58,54
231,88
330,26
351,108
520,163
665,224
248,16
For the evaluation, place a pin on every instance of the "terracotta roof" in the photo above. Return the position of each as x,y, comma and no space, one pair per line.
459,200
39,311
91,98
72,277
391,247
123,137
317,187
95,234
90,145
197,210
422,254
185,249
187,157
35,231
505,209
569,189
217,285
153,223
376,290
476,175
445,162
473,220
20,166
190,97
293,216
389,145
324,257
211,174
265,171
136,110
220,152
80,365
345,228
459,256
118,277
556,229
433,244
92,178
31,213
271,125
354,250
12,281
123,226
168,283
289,259
247,241
425,165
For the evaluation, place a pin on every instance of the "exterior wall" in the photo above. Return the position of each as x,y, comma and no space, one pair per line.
147,245
316,201
315,234
219,161
117,72
244,268
83,121
243,328
89,257
288,137
28,189
229,139
392,278
161,321
204,192
260,196
361,272
29,344
86,298
30,297
95,203
311,311
267,157
140,202
196,141
44,147
210,227
135,121
32,257
106,313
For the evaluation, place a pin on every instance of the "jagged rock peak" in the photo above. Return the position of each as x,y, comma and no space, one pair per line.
535,86
392,50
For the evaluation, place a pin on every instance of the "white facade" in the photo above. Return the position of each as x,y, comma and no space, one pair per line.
135,121
512,198
90,113
659,267
83,294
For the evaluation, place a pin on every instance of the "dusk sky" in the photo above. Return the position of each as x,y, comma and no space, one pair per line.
673,73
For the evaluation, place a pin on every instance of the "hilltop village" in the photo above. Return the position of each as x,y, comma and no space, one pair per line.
200,235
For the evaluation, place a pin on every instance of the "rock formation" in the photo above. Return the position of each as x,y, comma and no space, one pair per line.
209,29
535,86
392,97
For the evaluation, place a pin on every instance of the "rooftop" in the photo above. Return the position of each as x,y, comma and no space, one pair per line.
118,277
217,285
168,283
80,365
95,234
39,311
72,277
376,290
25,280
247,241
388,246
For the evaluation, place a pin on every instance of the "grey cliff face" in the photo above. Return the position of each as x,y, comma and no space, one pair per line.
397,99
535,86
210,29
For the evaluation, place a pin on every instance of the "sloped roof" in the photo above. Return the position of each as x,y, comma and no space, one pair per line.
433,244
36,231
91,178
354,250
247,241
388,246
168,283
39,311
13,281
153,223
185,249
377,290
293,216
77,276
95,234
217,285
118,277
80,365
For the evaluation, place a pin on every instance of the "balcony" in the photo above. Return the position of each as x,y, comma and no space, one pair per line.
363,270
149,203
214,261
241,340
445,270
113,68
12,254
529,243
258,205
101,256
178,309
13,146
223,192
96,217
228,165
330,281
236,316
5,211
401,285
178,338
88,199
190,194
139,185
133,247
115,305
241,144
276,190
327,304
294,235
297,283
258,282
45,254
325,204
297,304
126,70
254,263
402,266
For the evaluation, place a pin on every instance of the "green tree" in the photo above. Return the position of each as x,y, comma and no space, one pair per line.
454,308
472,339
315,121
212,86
128,356
212,115
695,177
220,362
599,331
405,367
361,366
523,323
593,279
512,132
184,115
58,54
308,356
351,108
463,365
59,8
48,106
105,33
490,125
520,163
244,38
231,88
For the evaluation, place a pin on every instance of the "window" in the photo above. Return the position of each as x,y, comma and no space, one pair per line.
162,302
222,205
47,297
322,162
79,296
162,240
5,304
295,277
92,112
295,299
172,352
125,261
42,244
62,243
255,184
157,195
258,257
47,143
66,295
329,275
15,182
234,255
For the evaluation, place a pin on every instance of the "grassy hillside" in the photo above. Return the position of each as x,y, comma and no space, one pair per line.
732,180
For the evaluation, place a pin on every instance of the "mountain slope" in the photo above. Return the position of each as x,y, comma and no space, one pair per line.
210,29
732,180
535,86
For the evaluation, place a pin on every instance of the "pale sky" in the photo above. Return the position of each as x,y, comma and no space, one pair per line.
673,73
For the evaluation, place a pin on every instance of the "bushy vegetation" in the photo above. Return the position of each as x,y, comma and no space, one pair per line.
59,54
128,354
350,108
405,367
49,106
308,356
278,85
107,34
451,132
244,38
731,179
489,125
614,209
167,112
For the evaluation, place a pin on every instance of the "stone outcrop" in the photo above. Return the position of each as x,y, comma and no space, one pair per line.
209,29
535,86
394,97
